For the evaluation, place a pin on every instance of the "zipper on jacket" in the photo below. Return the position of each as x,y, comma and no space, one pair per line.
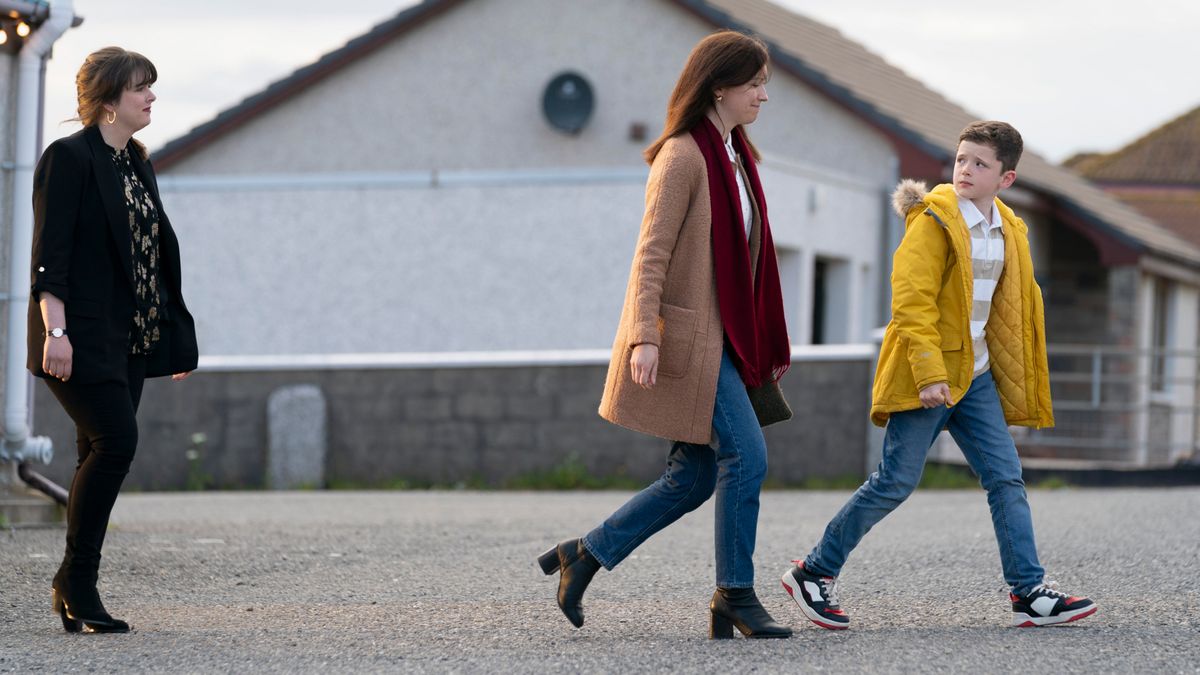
968,294
1037,404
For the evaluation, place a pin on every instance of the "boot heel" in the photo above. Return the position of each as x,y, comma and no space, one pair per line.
719,628
549,561
60,608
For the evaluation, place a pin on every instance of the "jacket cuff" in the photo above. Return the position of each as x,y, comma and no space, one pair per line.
57,290
647,333
921,384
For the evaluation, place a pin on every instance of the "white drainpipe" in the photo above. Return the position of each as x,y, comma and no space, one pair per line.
18,445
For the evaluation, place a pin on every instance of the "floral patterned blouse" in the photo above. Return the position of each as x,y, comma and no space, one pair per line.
143,231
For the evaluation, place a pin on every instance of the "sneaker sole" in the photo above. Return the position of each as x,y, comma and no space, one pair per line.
1022,620
808,612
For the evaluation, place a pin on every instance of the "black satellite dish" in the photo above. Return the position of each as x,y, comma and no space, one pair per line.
568,102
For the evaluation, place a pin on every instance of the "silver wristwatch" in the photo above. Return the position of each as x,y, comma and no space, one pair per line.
56,332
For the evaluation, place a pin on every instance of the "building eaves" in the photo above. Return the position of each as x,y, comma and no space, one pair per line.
888,97
282,90
814,53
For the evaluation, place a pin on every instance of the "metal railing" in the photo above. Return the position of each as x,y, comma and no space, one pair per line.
1115,406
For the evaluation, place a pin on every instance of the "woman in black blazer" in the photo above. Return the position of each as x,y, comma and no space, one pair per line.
105,307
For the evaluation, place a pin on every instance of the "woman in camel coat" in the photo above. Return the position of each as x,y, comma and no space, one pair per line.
702,341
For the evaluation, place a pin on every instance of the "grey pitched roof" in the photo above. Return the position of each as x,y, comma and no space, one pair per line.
1168,155
864,81
815,53
280,91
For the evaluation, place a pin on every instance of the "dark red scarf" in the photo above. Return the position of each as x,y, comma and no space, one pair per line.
751,308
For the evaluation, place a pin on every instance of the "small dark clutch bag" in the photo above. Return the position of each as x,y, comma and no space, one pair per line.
769,404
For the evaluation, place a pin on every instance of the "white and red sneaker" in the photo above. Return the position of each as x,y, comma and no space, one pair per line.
816,596
1044,606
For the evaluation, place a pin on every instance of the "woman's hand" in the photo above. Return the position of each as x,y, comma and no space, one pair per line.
57,353
57,356
935,395
179,377
643,364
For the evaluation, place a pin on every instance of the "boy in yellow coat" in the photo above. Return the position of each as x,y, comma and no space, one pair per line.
965,350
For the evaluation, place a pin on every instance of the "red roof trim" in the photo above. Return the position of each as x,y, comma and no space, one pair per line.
1112,250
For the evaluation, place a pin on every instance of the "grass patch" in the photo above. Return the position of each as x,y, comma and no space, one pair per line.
570,474
948,477
935,477
846,482
197,478
1051,483
573,474
955,477
473,483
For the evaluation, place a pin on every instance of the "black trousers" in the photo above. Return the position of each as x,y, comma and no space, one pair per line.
106,437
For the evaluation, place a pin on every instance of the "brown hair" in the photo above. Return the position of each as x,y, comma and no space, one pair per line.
104,76
723,59
999,136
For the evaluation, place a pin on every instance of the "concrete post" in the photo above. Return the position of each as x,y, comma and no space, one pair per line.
296,438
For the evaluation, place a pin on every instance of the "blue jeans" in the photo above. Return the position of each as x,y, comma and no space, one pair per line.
735,469
977,425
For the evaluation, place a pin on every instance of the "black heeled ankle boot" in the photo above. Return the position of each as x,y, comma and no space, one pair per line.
77,603
740,608
577,566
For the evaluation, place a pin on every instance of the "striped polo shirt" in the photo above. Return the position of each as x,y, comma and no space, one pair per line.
987,262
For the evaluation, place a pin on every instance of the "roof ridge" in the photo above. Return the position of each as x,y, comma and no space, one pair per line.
275,92
839,68
1159,155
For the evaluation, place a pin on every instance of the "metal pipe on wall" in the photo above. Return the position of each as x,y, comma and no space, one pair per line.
17,444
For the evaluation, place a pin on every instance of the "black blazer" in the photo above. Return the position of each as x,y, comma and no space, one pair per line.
82,254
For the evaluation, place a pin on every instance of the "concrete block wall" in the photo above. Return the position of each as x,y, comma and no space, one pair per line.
479,425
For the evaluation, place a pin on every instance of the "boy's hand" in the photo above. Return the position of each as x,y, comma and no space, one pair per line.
935,395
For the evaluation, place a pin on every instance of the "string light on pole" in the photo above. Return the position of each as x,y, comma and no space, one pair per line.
16,26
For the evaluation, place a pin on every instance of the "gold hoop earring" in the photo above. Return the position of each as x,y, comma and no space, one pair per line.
109,119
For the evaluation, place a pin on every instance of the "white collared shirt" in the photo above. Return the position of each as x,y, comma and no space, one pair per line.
987,263
743,194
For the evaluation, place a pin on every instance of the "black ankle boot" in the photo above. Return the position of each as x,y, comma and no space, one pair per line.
77,602
739,607
577,566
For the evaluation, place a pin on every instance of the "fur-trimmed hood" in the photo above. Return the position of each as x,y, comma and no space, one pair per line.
913,194
909,194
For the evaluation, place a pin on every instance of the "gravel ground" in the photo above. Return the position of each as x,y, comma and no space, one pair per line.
446,582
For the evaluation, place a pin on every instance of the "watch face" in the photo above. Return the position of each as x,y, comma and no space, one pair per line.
56,332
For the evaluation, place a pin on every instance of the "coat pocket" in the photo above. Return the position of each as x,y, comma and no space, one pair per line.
952,341
953,353
679,334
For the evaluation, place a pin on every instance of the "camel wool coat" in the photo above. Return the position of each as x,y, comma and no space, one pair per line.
671,302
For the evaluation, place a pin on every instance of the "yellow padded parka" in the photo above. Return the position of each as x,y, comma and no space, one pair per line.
928,339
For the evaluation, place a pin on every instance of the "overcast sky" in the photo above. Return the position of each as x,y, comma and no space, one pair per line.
1070,74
